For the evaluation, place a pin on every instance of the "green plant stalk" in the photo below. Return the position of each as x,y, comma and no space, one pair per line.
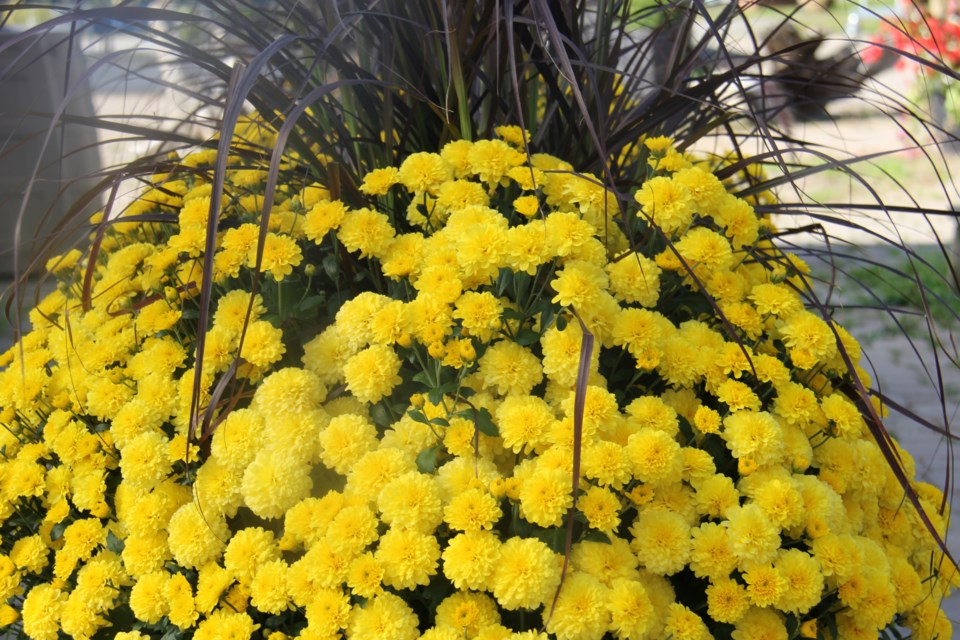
456,75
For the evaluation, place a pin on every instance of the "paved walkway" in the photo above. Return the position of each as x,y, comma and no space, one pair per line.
908,369
905,369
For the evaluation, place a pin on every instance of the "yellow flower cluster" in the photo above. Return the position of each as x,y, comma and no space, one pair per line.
394,454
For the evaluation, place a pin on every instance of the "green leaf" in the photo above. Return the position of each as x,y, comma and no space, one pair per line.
309,305
120,617
554,538
172,633
513,314
380,415
546,316
427,460
685,428
436,394
331,266
424,378
56,531
526,337
484,422
272,318
438,589
114,543
593,535
793,625
418,416
832,626
449,387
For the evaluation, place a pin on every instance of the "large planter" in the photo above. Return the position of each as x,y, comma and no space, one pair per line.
478,397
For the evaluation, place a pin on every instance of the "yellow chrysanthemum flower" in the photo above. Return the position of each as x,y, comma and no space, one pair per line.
179,595
379,181
803,581
630,608
262,344
374,470
247,550
459,194
753,434
148,597
654,456
491,160
470,558
661,540
684,624
579,612
727,600
328,612
385,615
545,497
667,203
280,254
510,368
526,248
143,460
601,508
269,590
424,172
365,577
480,314
273,483
759,623
526,575
367,232
411,501
345,440
524,422
472,510
753,538
372,373
408,558
578,285
225,623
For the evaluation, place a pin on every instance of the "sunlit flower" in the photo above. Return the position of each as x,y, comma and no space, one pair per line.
526,575
510,368
408,558
372,373
661,540
424,172
379,181
666,202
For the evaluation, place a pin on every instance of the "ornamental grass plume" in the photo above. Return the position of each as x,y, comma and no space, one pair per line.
394,358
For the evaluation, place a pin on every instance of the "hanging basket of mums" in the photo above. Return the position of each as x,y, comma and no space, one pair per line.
475,396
